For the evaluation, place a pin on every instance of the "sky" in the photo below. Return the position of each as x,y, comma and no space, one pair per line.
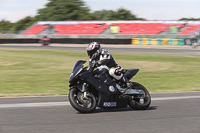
14,10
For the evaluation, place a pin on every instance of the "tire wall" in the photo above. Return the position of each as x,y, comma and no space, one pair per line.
158,41
190,41
138,41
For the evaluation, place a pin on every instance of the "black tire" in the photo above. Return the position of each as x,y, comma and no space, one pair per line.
74,99
135,102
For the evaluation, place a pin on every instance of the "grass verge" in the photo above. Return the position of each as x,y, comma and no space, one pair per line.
46,72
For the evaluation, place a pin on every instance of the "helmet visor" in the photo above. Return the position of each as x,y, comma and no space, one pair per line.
90,53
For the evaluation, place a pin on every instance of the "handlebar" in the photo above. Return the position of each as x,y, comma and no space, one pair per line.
91,67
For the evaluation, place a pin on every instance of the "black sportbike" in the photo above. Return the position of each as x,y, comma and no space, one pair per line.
89,90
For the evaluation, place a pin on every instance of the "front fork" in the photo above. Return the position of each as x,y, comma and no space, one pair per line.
84,90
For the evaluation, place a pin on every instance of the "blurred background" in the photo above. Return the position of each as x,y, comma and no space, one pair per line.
148,22
152,35
152,23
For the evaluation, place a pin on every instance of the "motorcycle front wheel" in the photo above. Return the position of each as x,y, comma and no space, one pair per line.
138,103
79,103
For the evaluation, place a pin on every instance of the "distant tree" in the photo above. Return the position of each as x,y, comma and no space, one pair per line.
190,19
120,14
6,26
59,10
103,14
124,14
23,24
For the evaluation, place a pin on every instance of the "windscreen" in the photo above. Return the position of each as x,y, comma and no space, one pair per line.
77,67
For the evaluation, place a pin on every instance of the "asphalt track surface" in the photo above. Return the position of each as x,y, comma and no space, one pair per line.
168,113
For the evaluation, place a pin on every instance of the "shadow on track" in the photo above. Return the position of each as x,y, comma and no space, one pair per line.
98,110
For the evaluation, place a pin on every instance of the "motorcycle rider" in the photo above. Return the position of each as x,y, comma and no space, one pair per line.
104,60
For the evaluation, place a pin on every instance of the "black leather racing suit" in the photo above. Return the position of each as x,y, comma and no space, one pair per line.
104,60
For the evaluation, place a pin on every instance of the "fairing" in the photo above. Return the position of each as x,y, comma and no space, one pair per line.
76,70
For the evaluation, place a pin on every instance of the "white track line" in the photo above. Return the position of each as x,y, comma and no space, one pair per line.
67,95
44,104
174,98
51,104
33,97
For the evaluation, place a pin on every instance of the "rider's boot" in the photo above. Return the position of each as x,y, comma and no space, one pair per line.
127,83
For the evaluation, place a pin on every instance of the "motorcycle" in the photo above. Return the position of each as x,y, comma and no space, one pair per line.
89,90
45,41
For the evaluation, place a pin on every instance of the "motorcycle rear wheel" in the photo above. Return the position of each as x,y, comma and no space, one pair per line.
135,102
80,104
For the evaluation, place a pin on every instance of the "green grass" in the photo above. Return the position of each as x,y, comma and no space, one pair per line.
46,72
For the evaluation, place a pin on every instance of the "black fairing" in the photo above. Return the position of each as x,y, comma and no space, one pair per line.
104,94
130,73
